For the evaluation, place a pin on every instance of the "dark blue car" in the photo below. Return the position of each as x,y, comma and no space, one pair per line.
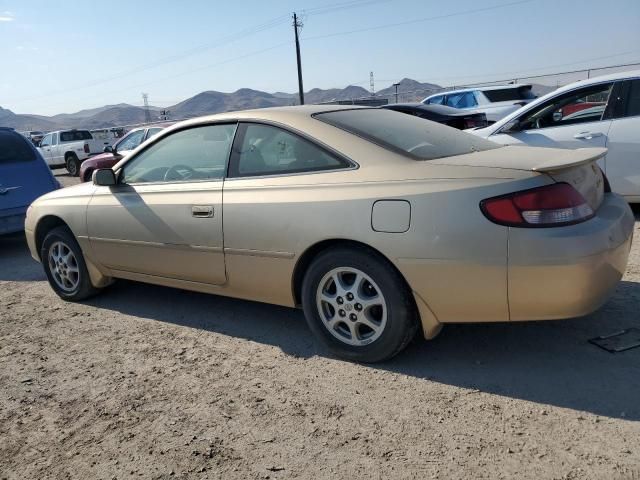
24,176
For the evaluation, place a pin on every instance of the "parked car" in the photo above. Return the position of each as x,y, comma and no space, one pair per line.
377,223
442,114
495,102
34,135
108,136
113,154
24,176
68,148
598,112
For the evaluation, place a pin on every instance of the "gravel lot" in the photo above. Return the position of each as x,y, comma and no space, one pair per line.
151,382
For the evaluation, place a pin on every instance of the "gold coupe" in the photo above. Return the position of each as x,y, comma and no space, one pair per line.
374,222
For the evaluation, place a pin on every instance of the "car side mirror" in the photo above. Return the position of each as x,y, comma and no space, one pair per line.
108,149
512,127
104,177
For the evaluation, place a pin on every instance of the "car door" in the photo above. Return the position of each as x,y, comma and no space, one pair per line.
574,119
164,217
57,150
623,142
262,228
45,148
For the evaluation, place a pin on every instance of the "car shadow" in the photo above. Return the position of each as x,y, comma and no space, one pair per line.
16,264
546,363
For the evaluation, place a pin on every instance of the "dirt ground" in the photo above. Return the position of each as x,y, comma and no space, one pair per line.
151,382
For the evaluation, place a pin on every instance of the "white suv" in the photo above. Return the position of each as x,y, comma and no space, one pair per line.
598,112
495,102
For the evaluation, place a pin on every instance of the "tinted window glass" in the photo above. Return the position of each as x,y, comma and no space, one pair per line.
153,131
46,141
267,150
435,100
461,100
633,99
509,94
75,135
579,106
14,148
131,141
198,153
406,134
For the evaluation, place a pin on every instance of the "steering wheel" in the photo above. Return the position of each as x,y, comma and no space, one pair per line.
179,172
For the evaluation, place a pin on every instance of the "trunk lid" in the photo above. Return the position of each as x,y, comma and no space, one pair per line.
575,167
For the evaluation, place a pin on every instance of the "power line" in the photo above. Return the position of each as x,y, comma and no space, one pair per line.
418,20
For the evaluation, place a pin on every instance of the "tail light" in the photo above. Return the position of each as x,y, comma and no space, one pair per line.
86,148
549,206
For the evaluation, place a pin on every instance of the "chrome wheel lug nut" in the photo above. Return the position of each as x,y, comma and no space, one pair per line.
358,307
340,300
349,296
342,313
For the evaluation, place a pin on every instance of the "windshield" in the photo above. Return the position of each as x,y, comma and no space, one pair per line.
412,136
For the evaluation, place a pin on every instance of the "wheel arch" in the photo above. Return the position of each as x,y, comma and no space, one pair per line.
429,322
44,226
307,257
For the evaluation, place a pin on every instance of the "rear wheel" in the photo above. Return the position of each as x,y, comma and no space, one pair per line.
73,165
358,305
87,175
65,267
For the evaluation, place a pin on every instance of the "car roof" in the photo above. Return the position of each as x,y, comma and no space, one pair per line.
482,89
276,114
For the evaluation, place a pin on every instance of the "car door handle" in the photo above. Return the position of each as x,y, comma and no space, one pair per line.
587,135
202,211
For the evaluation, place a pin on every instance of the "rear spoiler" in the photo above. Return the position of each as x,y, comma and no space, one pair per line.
570,158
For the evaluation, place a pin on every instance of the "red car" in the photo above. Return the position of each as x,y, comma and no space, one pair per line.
113,154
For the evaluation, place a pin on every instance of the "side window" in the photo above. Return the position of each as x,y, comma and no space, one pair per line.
268,150
579,106
633,99
436,100
461,100
153,131
131,141
54,138
198,153
46,141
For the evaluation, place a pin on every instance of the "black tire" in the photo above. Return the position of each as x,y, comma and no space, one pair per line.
401,320
73,164
79,287
87,175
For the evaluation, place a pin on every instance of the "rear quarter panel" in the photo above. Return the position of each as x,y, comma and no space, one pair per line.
451,256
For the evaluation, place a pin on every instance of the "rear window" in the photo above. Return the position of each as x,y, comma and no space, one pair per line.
406,134
508,94
75,135
14,148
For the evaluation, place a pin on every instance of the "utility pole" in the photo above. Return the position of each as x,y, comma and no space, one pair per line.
396,85
372,85
147,113
296,25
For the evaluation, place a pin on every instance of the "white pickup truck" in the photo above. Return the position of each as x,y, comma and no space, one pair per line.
69,148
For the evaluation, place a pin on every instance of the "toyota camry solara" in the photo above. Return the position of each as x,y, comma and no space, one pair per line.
376,223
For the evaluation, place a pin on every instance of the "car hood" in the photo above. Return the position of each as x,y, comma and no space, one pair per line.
75,191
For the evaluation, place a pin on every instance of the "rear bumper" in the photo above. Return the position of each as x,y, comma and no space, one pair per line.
569,271
12,221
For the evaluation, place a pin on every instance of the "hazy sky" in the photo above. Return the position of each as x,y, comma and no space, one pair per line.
67,55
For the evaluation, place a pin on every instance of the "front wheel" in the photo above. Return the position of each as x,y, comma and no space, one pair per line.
65,267
358,305
73,165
